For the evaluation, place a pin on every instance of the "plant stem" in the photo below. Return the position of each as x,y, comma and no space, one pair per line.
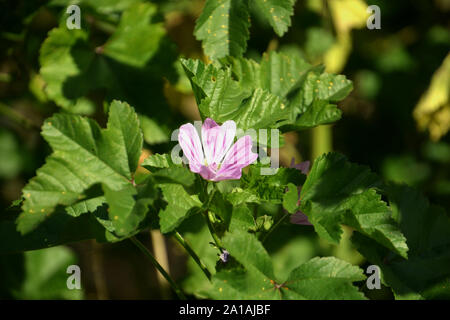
17,117
148,254
209,222
192,253
213,232
274,227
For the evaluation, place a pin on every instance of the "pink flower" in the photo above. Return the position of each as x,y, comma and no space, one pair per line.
215,158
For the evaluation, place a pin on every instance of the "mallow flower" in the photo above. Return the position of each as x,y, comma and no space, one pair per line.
214,156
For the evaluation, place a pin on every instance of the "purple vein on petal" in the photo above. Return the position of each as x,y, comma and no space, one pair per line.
239,156
217,139
190,144
213,155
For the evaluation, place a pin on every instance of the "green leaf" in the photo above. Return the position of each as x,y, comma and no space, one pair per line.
103,6
290,198
165,171
426,273
196,232
208,81
311,97
252,283
246,71
371,216
284,90
289,248
324,278
129,66
221,98
179,204
223,24
320,112
281,73
122,139
318,41
91,200
128,207
261,110
238,284
121,205
223,28
126,44
89,205
175,174
277,12
44,274
239,196
319,278
11,155
337,191
154,133
246,249
241,219
58,64
83,155
59,228
326,86
269,188
157,161
220,208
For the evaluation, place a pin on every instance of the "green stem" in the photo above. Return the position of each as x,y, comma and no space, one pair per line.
12,36
105,26
209,222
17,117
163,272
274,227
213,232
192,253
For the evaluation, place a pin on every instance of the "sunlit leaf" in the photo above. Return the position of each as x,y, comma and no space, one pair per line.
83,155
426,272
337,191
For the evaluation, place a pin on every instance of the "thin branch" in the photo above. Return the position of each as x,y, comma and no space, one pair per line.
213,231
209,223
17,117
156,264
192,253
274,227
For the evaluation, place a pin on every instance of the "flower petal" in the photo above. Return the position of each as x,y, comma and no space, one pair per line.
217,139
192,147
300,218
239,156
207,173
302,166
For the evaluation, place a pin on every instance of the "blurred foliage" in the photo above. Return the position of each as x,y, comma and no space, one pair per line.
37,274
433,110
